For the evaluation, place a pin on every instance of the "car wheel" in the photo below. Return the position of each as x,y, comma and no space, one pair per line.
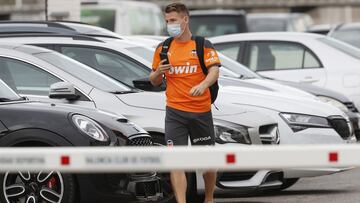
288,183
45,187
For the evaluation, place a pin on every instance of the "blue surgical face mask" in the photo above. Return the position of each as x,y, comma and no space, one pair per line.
174,30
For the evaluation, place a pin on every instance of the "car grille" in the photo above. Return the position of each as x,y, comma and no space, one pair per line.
269,134
351,107
341,126
140,141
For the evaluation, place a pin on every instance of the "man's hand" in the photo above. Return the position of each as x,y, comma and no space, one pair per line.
210,79
157,75
162,68
198,90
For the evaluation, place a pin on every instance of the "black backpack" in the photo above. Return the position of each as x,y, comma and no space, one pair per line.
199,41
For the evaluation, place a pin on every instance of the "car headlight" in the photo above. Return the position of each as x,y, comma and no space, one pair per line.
298,122
226,132
334,102
90,128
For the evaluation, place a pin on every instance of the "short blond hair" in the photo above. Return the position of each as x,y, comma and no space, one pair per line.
177,7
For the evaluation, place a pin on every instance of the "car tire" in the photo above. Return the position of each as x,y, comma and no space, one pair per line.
68,196
36,181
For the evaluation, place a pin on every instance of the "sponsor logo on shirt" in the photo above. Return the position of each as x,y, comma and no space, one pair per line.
187,69
211,57
201,139
193,53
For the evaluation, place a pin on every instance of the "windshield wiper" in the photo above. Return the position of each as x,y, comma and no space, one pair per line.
125,92
4,99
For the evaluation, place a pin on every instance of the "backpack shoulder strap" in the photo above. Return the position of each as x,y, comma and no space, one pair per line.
165,48
200,41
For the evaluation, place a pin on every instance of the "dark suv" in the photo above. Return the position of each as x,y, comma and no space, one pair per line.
25,123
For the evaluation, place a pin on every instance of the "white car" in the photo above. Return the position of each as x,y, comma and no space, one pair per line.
297,57
124,66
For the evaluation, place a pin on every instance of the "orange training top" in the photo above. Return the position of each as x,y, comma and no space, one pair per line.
185,73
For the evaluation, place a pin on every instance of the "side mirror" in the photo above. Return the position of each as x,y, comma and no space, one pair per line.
145,84
63,90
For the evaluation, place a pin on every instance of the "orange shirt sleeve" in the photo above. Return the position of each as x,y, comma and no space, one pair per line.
156,58
211,57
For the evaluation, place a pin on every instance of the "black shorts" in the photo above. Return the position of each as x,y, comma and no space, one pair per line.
179,125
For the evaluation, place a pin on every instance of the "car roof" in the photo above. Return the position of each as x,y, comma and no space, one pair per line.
94,3
273,15
90,30
54,27
112,44
280,36
216,12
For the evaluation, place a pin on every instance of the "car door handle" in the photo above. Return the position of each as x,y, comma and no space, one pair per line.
309,80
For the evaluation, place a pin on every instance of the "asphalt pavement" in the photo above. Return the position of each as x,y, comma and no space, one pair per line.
337,188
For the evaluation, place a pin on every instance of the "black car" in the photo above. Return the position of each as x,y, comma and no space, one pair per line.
25,123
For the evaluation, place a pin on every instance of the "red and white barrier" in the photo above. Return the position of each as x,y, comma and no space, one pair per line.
131,159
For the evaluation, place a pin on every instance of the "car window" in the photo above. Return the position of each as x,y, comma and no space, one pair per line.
310,61
7,92
230,50
266,24
215,25
266,56
114,65
25,78
145,53
235,67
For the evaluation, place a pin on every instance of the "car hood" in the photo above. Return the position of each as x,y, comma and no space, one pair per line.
37,111
276,101
264,85
230,96
234,113
157,101
318,91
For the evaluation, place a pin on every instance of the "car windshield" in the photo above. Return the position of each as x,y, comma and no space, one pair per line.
6,93
266,24
83,72
145,53
209,26
341,46
350,36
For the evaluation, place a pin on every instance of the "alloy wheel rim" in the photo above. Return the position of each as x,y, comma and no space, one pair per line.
26,187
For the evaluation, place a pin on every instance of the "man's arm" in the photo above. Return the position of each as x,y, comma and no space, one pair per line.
211,77
157,75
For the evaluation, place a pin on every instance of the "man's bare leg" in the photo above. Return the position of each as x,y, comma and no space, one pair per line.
179,185
210,181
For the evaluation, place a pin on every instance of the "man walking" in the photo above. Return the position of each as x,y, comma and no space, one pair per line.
188,108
